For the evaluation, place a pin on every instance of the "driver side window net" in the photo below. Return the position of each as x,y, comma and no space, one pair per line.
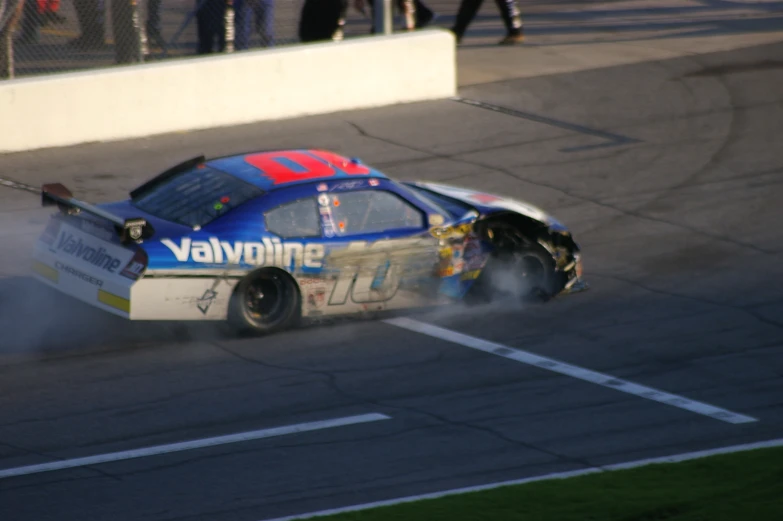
295,219
372,211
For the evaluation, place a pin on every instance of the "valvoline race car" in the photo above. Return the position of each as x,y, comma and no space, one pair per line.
264,239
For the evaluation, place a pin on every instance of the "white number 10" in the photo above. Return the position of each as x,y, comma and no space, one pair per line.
365,284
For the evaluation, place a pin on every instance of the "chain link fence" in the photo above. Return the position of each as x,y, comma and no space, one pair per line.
50,36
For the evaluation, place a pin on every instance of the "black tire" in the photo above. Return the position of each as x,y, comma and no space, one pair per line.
265,301
519,268
534,267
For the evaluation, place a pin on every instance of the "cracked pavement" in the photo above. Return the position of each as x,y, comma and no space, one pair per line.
682,248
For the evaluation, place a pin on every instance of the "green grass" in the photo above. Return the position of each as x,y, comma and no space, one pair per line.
745,486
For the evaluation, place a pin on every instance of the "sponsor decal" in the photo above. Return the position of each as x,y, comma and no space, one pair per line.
46,271
435,219
115,301
457,259
314,290
78,274
135,230
475,257
470,275
206,300
327,221
270,252
485,198
316,297
74,246
133,270
348,185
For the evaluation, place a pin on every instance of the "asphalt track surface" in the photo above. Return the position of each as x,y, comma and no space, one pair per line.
679,216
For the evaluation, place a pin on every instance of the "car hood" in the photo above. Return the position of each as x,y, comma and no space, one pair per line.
490,203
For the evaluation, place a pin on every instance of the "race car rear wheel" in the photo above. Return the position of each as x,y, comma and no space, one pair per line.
265,301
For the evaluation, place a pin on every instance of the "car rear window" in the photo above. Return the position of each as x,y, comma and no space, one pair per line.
196,197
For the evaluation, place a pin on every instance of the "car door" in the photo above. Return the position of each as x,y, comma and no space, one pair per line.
380,250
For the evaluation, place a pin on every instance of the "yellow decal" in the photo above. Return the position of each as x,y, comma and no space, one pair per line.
46,272
470,275
114,301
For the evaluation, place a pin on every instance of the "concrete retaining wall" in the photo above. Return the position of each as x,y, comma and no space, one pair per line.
228,89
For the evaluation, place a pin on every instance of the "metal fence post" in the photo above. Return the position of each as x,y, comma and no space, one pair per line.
10,14
6,55
383,16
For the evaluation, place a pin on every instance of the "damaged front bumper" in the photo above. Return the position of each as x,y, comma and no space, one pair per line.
575,282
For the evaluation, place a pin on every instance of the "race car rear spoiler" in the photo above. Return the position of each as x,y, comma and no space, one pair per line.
129,230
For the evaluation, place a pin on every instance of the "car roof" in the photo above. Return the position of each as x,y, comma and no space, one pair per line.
274,169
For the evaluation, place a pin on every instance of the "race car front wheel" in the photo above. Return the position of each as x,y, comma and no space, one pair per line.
519,268
534,271
265,301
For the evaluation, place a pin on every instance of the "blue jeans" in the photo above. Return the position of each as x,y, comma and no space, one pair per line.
250,13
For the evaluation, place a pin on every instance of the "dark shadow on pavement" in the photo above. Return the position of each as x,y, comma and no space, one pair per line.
36,320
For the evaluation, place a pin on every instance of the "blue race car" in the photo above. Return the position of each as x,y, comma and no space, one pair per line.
264,239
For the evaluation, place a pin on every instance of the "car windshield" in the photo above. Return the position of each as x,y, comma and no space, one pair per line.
196,196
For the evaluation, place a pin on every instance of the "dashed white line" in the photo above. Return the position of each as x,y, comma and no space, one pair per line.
193,444
573,371
546,477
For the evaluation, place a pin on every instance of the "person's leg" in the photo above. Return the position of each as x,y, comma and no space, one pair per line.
153,24
512,19
319,19
424,15
90,16
265,18
242,24
204,26
408,10
465,14
220,24
31,22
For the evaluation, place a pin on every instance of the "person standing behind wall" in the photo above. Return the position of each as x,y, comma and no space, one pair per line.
415,13
320,19
509,12
253,13
210,25
90,14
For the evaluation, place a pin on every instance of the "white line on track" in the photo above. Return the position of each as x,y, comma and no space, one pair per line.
546,477
193,444
573,371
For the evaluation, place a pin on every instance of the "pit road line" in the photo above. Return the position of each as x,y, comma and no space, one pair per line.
193,444
579,373
545,477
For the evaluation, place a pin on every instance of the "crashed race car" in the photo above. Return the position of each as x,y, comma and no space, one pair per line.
265,239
